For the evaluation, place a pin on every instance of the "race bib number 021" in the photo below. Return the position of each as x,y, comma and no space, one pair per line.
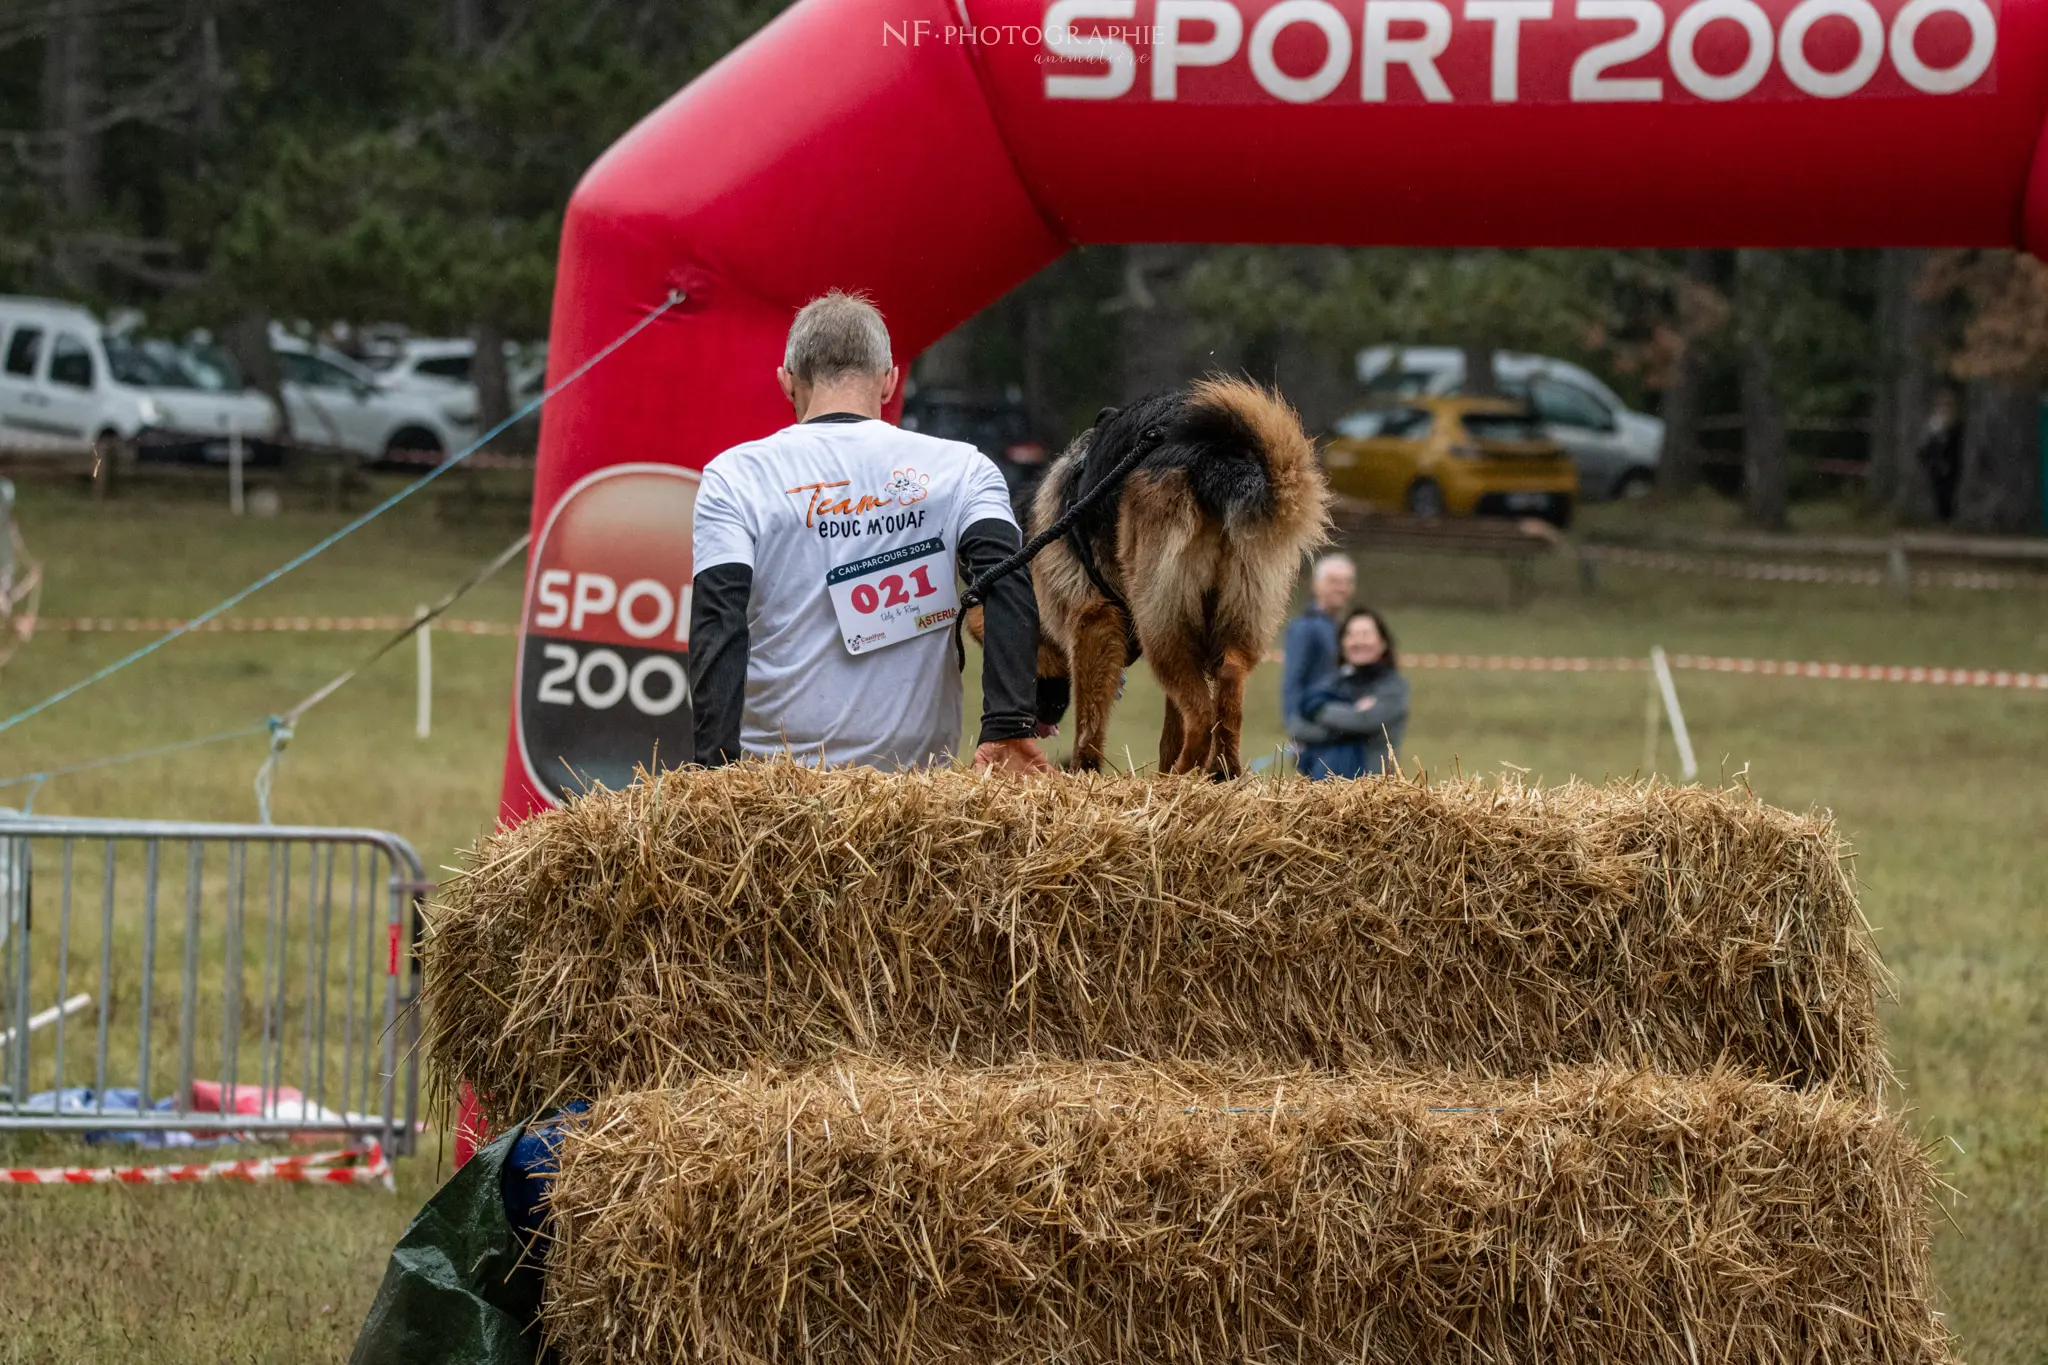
894,596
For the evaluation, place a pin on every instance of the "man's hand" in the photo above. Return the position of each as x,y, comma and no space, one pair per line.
1016,757
1367,703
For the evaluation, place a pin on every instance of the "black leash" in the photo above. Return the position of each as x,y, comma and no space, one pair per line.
1078,546
977,591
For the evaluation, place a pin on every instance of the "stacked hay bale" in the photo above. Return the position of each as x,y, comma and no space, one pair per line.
936,1066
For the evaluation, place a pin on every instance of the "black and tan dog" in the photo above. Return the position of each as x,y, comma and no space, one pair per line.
1191,562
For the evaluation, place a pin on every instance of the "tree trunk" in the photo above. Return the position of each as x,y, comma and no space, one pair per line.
1480,379
1764,473
466,23
2001,483
1041,401
209,77
72,95
948,363
248,341
1910,334
1888,446
1678,469
1317,377
1157,325
1765,478
487,372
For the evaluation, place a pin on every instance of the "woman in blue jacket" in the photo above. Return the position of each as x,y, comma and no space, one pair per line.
1360,712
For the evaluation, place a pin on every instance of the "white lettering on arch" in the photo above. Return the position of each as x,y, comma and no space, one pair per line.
1507,18
1336,60
1946,80
1590,82
1756,63
1064,41
1831,85
1381,50
1170,52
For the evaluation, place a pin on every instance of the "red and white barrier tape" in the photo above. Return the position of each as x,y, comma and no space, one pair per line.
428,459
1713,663
1761,571
1487,663
353,1166
235,625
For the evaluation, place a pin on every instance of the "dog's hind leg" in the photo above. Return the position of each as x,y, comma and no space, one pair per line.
1180,675
1172,738
1097,666
1224,757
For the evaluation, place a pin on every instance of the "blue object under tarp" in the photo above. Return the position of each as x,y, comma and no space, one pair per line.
530,1167
464,1284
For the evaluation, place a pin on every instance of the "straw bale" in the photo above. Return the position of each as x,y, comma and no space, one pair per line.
770,913
1105,1213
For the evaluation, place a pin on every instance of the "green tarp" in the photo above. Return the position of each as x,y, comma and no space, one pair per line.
460,1287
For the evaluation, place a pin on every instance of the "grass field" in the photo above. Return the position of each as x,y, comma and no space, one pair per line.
1944,793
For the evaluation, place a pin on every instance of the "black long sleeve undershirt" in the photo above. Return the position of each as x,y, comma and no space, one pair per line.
1009,666
1009,646
718,661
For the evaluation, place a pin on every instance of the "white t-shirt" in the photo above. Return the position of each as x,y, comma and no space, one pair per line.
842,496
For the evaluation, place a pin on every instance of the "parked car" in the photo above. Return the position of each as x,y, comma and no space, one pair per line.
450,361
206,407
66,379
335,401
1617,450
56,386
1454,456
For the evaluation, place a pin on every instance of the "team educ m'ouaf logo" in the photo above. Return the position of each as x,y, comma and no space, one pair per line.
605,634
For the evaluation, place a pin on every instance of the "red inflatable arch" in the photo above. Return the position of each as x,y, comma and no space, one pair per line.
937,152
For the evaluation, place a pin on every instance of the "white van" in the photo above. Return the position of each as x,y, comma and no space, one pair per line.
67,383
56,388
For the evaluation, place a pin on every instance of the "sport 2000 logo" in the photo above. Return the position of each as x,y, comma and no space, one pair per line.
1315,52
605,632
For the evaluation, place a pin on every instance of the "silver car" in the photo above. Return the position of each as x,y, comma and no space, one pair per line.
1616,449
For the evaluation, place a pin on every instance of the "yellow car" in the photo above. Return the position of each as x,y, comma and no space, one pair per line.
1460,457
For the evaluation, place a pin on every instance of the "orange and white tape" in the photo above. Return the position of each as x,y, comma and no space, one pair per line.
1485,663
1716,663
352,1166
428,459
235,625
1766,572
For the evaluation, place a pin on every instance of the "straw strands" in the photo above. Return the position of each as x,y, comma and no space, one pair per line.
1083,1214
770,914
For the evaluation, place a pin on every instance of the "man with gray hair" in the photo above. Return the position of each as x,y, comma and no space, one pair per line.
827,560
1310,653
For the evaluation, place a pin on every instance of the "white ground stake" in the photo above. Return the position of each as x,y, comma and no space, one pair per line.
1688,768
236,503
50,1016
423,723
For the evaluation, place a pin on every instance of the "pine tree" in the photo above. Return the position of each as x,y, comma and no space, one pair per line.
2002,358
1700,310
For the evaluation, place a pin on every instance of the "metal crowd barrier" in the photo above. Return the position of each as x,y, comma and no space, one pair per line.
164,978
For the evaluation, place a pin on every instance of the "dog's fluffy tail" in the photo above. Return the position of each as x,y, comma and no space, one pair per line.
1256,464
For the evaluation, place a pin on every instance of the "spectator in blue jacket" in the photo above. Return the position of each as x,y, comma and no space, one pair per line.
1358,713
1310,652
